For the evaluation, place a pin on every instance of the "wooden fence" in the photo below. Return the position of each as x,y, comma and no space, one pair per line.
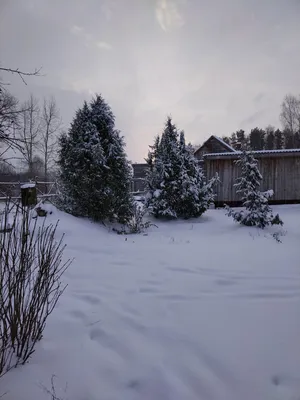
12,190
48,190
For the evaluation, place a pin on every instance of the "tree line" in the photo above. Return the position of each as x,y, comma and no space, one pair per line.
93,170
95,176
271,138
28,134
94,173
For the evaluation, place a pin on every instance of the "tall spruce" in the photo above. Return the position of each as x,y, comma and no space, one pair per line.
279,139
175,183
270,137
94,171
195,194
257,139
257,211
164,169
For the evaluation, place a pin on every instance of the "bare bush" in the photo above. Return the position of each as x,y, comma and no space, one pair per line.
136,223
31,266
52,392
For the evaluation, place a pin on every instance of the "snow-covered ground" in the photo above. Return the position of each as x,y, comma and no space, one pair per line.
195,310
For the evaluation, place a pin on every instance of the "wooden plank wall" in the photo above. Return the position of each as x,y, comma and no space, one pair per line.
212,145
282,174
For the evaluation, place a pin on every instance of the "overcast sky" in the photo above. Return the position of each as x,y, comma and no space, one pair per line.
215,65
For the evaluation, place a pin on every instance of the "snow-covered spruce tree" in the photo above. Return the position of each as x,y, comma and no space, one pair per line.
94,171
118,171
257,211
162,180
195,193
175,183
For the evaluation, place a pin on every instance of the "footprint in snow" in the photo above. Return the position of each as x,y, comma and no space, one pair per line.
89,299
77,314
107,339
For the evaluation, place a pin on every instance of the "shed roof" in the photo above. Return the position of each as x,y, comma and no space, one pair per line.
221,141
281,152
224,143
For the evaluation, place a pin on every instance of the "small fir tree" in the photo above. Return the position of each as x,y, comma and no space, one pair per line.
175,182
94,172
257,211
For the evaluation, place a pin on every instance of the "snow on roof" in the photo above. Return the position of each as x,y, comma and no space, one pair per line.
281,151
28,185
224,143
219,140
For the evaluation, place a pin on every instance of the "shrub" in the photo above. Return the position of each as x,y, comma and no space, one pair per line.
31,266
257,211
136,223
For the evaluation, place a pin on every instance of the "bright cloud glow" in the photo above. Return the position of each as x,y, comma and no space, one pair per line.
168,14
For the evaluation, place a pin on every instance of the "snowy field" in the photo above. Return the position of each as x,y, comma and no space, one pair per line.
197,310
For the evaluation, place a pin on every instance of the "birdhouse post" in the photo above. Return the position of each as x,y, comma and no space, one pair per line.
28,194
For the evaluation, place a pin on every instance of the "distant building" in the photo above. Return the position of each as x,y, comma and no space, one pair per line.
213,145
280,170
139,175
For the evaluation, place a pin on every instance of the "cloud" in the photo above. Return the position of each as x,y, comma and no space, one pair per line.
258,97
88,38
77,30
103,45
168,14
107,8
254,118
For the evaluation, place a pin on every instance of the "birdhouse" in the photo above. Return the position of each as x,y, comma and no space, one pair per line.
28,194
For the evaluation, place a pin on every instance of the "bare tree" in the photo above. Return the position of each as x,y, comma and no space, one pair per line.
51,124
290,113
30,132
20,73
38,166
10,115
9,121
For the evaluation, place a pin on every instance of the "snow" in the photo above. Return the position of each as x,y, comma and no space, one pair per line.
237,153
225,144
269,193
157,193
5,223
230,148
50,208
139,198
28,185
203,309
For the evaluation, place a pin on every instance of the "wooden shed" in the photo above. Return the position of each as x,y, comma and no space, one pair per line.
280,170
214,144
139,175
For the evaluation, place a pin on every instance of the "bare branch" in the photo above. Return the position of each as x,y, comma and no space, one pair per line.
51,125
290,113
9,121
31,267
21,74
29,132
